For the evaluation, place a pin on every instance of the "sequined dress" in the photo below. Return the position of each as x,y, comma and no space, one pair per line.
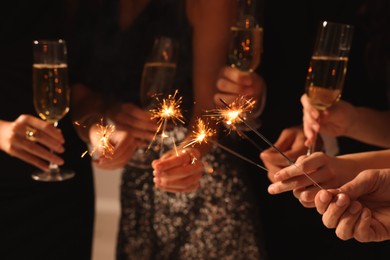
213,222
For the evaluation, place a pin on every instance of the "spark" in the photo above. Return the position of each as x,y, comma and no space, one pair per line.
167,109
103,133
274,147
232,115
202,134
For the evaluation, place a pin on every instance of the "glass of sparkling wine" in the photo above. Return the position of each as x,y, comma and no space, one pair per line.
328,66
157,81
51,95
246,47
246,44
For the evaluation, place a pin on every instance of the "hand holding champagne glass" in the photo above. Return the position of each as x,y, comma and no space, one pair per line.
51,94
328,66
244,54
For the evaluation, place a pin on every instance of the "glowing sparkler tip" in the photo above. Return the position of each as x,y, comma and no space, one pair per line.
233,113
201,133
166,109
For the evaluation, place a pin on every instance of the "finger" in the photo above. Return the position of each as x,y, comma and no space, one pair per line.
335,210
172,160
322,200
308,127
307,204
42,126
128,122
309,108
182,184
48,141
273,157
31,159
140,134
130,115
312,165
125,148
345,227
357,186
297,180
111,161
37,150
307,195
121,155
363,231
236,76
180,172
225,85
173,190
134,111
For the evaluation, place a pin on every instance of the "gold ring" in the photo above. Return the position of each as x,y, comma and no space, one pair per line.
30,134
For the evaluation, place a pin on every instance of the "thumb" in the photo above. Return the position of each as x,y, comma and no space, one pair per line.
360,185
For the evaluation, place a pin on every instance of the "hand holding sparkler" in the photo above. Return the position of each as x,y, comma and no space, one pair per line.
234,84
273,146
134,132
291,143
331,172
110,146
178,172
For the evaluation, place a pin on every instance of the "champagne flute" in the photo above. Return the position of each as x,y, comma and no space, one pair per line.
246,43
246,47
328,67
51,94
157,80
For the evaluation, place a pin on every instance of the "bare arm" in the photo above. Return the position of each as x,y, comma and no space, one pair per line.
371,126
210,44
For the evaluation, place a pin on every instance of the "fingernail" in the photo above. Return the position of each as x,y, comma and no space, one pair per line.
324,197
271,189
339,201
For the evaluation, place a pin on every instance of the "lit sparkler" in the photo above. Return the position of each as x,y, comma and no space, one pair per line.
167,109
272,145
204,133
232,115
103,134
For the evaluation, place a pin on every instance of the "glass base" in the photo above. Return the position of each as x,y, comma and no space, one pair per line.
53,176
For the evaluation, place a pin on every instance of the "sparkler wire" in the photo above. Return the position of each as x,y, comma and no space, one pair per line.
237,154
274,147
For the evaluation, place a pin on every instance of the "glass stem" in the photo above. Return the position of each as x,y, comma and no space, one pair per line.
53,167
312,147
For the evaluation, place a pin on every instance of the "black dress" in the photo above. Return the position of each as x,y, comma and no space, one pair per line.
216,221
39,220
